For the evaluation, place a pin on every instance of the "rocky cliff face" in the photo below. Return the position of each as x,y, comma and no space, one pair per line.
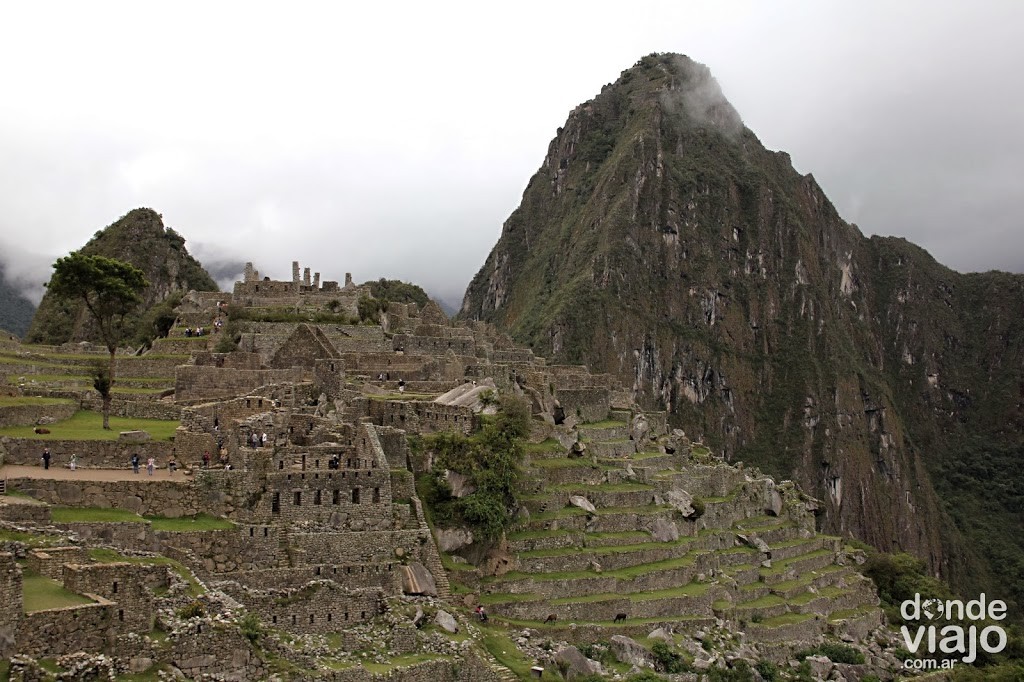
140,238
15,310
662,242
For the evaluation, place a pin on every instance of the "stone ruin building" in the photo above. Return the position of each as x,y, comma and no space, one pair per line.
626,527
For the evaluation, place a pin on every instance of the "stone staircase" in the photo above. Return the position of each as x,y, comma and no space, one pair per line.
433,559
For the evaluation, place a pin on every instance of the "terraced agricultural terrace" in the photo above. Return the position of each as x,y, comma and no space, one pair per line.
302,547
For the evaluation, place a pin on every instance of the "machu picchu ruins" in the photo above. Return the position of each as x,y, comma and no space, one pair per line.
292,541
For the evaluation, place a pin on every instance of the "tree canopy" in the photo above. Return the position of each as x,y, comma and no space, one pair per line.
108,287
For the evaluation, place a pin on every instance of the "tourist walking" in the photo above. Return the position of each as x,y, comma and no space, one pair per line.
206,459
73,462
150,466
46,458
171,465
135,463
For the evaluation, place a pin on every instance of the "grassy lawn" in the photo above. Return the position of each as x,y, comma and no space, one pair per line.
200,522
505,652
43,593
86,425
8,401
786,619
93,515
549,445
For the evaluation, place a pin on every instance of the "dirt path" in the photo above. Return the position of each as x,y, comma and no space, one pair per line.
64,474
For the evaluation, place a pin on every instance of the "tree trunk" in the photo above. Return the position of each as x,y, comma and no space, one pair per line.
109,393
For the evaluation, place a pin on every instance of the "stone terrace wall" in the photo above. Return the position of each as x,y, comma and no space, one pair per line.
173,498
354,548
590,404
55,632
234,360
319,607
384,577
26,415
11,599
103,454
422,417
432,345
206,383
133,536
211,650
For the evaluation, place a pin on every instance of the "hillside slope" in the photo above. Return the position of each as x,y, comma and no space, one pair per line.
662,242
140,238
15,310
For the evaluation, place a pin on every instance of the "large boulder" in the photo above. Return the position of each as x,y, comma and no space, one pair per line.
583,503
416,579
446,621
460,484
664,530
453,539
133,437
639,428
629,651
574,664
681,500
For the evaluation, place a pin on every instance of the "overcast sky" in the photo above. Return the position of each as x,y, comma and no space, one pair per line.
393,139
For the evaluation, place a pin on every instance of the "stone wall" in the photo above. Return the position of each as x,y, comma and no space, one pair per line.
55,632
193,383
127,535
129,585
589,404
321,606
421,417
432,345
11,613
50,561
216,651
27,415
103,454
173,498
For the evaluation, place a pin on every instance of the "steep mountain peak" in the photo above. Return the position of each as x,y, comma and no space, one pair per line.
139,237
661,242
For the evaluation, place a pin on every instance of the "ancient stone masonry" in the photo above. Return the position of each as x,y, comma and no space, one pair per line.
307,429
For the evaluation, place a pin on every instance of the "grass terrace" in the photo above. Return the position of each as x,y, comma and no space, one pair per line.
111,556
27,400
43,593
86,425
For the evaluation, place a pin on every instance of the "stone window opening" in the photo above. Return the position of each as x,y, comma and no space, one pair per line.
316,497
275,504
298,498
337,498
280,464
311,619
266,532
273,620
252,532
316,463
114,588
318,569
376,494
355,495
329,617
346,615
294,620
362,615
120,614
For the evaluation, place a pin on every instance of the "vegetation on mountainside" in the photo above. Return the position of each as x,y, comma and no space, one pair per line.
397,291
140,239
490,458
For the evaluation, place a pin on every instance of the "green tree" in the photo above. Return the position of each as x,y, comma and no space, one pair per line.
110,290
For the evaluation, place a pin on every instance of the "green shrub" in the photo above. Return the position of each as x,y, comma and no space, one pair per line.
768,671
193,610
250,626
667,660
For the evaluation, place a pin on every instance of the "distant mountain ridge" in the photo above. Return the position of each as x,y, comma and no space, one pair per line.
16,310
140,238
660,241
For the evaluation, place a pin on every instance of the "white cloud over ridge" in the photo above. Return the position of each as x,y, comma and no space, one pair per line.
394,140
